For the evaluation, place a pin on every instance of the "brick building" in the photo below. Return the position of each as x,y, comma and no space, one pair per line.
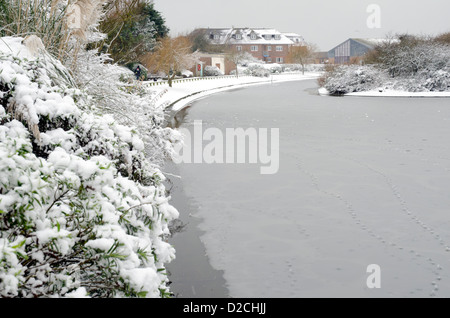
268,45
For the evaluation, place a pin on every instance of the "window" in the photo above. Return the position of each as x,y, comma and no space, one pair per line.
277,36
254,48
279,48
269,59
267,36
279,60
269,48
238,48
238,36
216,36
253,36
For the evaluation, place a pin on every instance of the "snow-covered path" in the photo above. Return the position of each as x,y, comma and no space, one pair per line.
184,92
362,181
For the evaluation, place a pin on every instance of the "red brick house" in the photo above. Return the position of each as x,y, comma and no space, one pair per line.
268,45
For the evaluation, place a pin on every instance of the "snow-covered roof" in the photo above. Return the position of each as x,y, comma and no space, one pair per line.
247,36
294,37
369,42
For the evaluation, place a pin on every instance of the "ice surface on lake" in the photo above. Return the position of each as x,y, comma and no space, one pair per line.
361,181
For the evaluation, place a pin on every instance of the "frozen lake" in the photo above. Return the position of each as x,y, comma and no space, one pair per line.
361,181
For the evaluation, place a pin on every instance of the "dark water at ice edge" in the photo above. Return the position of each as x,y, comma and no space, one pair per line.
191,274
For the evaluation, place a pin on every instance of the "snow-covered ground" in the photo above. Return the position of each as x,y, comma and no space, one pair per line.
183,93
390,93
393,93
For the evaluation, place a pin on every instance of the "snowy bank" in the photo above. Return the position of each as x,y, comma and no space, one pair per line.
183,93
394,93
388,93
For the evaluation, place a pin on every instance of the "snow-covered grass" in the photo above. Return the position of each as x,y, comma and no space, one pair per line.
83,211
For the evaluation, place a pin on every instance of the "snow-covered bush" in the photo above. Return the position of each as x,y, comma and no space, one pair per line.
83,211
422,67
257,69
212,71
353,78
436,81
410,60
293,67
130,103
274,68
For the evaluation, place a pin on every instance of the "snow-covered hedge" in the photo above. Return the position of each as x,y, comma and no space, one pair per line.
299,68
83,212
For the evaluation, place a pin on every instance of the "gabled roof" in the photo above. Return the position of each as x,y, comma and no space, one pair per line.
370,43
263,36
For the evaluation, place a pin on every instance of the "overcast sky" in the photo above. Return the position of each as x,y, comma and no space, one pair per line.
324,22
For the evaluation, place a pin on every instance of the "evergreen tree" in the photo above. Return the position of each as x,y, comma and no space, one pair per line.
132,30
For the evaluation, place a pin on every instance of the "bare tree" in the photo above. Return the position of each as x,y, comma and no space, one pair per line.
236,57
172,55
301,55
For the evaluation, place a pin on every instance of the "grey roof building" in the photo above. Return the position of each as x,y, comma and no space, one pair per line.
352,48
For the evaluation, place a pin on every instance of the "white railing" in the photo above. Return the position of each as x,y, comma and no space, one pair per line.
192,79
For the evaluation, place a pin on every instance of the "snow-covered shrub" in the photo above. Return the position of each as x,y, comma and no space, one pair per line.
274,68
299,67
414,63
315,67
436,81
130,102
256,69
83,212
212,71
353,78
407,60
